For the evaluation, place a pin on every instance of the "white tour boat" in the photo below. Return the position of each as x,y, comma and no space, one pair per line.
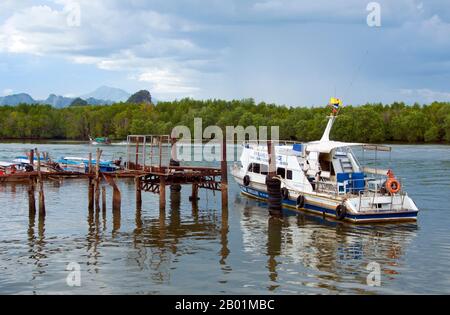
324,177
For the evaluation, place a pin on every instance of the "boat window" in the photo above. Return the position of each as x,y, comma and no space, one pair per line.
264,169
281,172
258,168
288,174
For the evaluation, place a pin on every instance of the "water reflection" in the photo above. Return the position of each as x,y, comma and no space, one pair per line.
159,242
37,244
93,239
333,252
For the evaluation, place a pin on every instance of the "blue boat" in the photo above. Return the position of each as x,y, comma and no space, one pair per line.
77,164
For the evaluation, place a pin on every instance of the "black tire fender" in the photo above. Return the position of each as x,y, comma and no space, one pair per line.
246,180
341,211
285,193
300,201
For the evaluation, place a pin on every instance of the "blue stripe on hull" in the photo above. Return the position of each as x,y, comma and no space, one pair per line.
411,215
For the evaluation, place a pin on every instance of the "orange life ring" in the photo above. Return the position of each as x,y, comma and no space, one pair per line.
393,185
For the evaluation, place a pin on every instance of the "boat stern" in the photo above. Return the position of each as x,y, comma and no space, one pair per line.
381,208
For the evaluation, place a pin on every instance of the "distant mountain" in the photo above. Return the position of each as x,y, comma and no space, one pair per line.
102,96
108,94
17,99
140,97
79,102
94,101
57,101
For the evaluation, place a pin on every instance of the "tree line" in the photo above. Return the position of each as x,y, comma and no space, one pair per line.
372,123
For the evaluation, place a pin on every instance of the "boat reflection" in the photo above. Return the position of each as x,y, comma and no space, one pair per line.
333,252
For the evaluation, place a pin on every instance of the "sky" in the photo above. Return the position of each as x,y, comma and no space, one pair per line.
292,52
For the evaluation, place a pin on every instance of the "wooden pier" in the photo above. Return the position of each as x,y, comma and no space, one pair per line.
149,174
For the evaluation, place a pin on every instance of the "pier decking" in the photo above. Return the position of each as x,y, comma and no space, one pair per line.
148,172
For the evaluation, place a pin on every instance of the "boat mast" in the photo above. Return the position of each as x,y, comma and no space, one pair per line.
326,134
336,104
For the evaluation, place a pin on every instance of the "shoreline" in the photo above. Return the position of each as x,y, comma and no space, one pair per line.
115,141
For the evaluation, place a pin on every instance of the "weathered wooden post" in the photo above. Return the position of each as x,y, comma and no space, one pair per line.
162,192
137,182
31,198
224,174
90,163
117,197
31,157
90,185
194,197
137,153
273,184
160,152
97,180
174,163
40,186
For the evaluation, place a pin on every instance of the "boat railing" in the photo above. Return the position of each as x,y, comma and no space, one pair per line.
378,191
367,187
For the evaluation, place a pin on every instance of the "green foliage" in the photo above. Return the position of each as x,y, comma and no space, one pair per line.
374,123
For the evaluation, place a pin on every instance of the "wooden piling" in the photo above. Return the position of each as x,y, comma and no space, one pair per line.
31,157
117,197
90,163
31,198
224,174
160,152
162,192
40,186
194,197
97,180
137,182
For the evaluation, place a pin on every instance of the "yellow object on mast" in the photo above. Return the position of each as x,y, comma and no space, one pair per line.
336,104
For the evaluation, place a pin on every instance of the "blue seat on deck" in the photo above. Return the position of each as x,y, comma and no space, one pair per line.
341,178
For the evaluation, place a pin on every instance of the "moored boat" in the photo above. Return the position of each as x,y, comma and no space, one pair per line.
100,141
325,177
81,165
9,170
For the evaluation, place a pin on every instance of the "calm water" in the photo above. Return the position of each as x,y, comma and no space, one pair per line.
204,251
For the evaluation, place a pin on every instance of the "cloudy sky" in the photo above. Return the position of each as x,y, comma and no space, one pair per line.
290,52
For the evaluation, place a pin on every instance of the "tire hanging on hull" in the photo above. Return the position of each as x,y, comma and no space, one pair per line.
341,211
300,202
246,180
